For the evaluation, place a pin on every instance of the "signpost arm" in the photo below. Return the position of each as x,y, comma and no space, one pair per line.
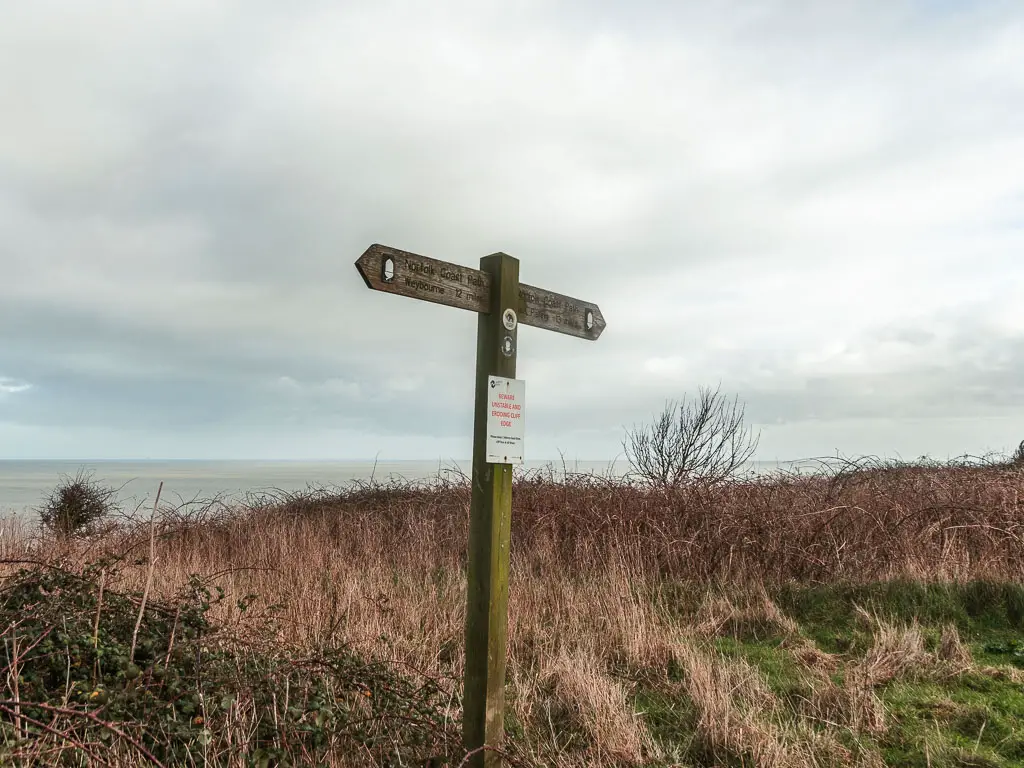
489,530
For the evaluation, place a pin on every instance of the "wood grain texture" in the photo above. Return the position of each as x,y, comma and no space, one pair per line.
490,516
420,277
441,282
562,314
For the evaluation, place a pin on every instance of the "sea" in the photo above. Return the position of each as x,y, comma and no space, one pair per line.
25,484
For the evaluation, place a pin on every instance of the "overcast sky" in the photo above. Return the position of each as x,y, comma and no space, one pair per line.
818,205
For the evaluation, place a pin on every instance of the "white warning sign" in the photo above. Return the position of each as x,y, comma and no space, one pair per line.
506,406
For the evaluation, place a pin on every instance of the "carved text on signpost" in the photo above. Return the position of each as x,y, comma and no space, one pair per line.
440,282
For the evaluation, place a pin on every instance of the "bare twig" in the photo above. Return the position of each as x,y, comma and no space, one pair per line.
703,440
92,717
149,572
62,735
170,643
15,673
99,607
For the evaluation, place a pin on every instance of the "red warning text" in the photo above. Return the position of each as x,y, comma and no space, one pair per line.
505,409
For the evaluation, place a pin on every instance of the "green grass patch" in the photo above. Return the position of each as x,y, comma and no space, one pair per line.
978,609
970,720
784,675
671,719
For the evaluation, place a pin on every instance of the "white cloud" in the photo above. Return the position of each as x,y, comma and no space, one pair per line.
12,386
819,206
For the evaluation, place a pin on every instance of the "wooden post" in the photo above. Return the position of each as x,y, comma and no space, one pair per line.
501,303
490,514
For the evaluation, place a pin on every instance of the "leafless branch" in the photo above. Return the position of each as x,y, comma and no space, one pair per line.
703,440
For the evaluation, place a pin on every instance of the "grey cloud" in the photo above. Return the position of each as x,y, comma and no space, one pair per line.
182,210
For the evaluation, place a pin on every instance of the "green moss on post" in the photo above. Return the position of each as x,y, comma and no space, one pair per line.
489,532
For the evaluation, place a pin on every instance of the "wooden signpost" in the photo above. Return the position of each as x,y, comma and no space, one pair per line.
501,303
419,277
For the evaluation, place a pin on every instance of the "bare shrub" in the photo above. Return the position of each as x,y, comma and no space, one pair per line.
76,504
1017,460
703,440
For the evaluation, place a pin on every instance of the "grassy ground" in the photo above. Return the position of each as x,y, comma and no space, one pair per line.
868,617
898,673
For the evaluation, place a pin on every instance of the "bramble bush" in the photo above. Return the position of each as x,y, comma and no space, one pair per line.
180,690
76,504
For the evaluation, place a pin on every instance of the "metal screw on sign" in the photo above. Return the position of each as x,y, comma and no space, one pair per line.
501,303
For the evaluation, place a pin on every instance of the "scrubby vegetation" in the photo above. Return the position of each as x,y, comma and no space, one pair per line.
1018,456
866,614
87,687
76,504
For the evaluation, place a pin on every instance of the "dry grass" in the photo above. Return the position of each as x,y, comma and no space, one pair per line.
953,651
897,652
580,698
744,614
740,717
736,710
382,570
